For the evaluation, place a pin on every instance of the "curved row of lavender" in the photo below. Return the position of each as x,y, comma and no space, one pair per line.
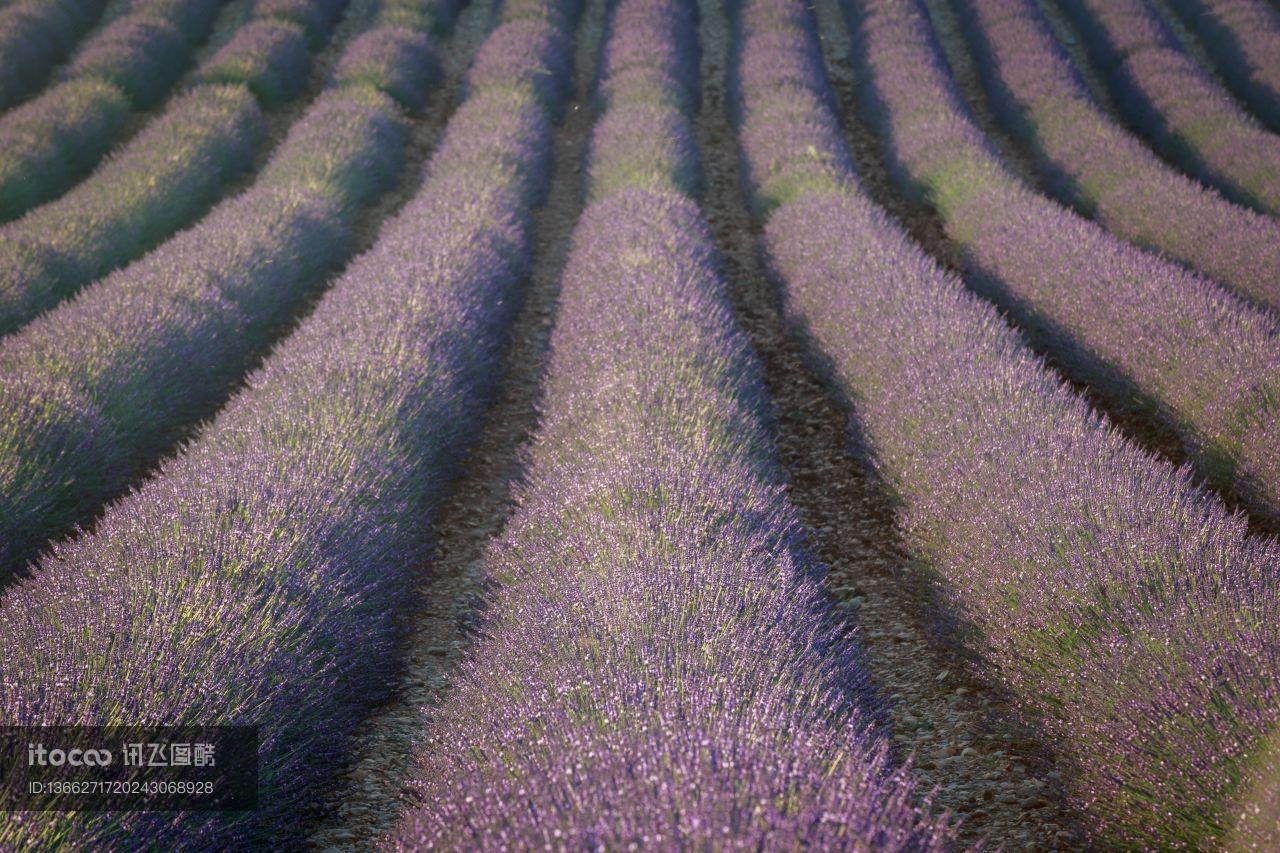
1242,37
260,576
1130,616
50,143
162,180
1176,104
94,391
656,671
35,35
1145,333
1095,165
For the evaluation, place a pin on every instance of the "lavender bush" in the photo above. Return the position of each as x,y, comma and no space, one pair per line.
57,138
268,56
139,54
392,58
50,143
159,344
1243,39
163,180
504,62
1123,608
656,671
1178,106
257,579
1143,332
1097,166
35,35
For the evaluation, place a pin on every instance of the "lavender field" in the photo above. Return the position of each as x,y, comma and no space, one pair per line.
640,424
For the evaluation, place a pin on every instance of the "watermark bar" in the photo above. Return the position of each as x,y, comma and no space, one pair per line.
128,768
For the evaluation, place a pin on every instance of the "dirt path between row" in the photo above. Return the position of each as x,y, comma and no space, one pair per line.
985,769
367,800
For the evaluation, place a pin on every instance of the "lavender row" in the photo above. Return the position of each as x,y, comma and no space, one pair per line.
1242,37
394,55
163,180
656,671
142,354
259,578
35,35
1123,608
1178,106
50,144
1152,338
1098,167
56,139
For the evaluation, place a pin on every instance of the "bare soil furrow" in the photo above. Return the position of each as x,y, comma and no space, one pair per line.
987,771
446,602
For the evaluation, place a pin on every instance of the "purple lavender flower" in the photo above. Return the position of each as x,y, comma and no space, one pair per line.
166,177
54,140
394,59
163,179
138,54
160,343
315,17
268,56
35,35
193,19
504,60
50,143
